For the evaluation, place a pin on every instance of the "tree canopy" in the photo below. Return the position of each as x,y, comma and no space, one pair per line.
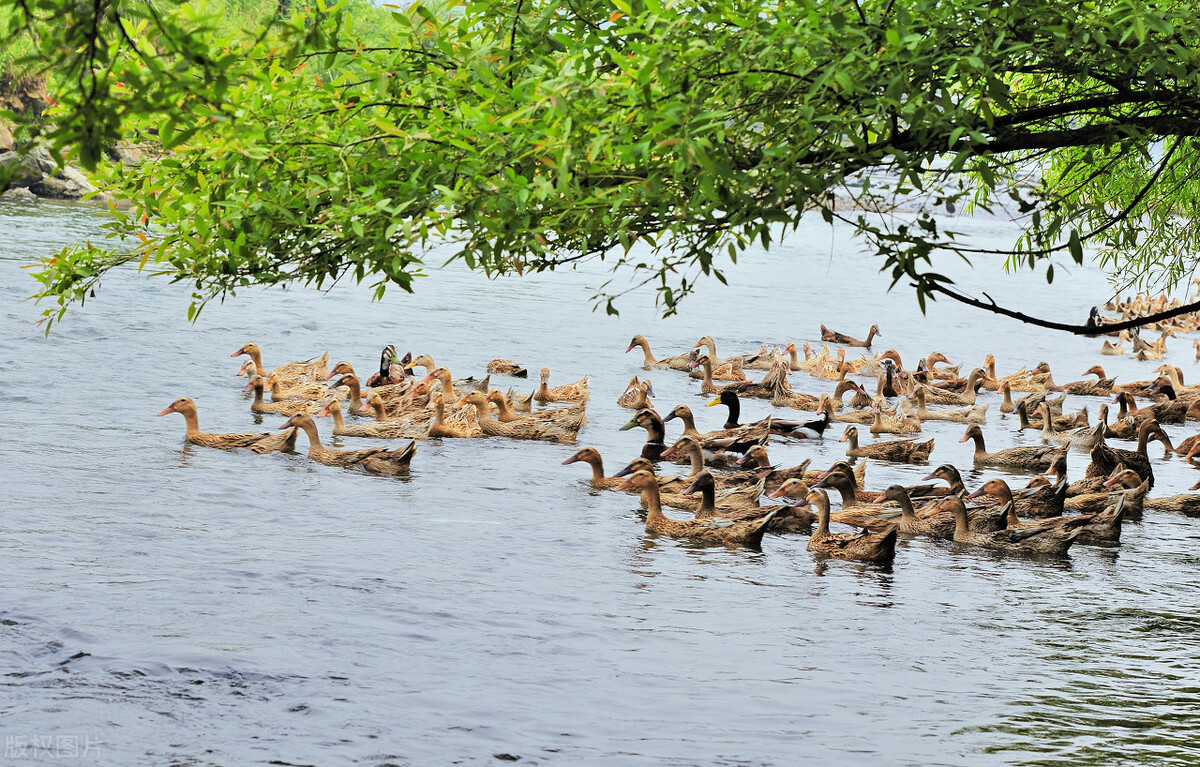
321,142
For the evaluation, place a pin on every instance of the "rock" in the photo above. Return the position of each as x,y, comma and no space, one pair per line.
37,173
19,193
6,137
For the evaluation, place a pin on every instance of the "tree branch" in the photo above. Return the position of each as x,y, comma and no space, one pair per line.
1086,329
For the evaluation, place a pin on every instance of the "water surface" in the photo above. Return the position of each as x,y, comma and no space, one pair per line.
172,604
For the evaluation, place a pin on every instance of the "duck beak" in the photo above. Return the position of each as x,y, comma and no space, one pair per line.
976,494
964,438
1112,481
928,477
285,425
631,345
626,485
740,461
649,391
779,493
238,352
571,460
331,375
716,401
461,403
248,387
670,416
844,438
168,409
632,423
823,483
625,472
669,452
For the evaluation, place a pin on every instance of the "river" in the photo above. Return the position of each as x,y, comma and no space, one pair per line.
167,604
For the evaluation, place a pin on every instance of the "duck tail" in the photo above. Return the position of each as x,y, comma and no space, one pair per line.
756,535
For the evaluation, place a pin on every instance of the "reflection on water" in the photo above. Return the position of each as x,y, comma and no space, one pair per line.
194,606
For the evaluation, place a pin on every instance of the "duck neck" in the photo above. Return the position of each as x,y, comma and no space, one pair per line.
707,367
258,396
795,359
1023,415
712,349
977,438
852,438
314,439
336,411
697,457
735,413
846,490
960,521
689,424
654,513
256,356
276,390
1144,438
870,336
447,383
439,414
1007,402
1012,518
906,507
648,357
708,502
822,517
503,413
597,465
192,422
356,402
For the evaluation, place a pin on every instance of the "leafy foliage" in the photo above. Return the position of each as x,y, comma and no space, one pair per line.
326,142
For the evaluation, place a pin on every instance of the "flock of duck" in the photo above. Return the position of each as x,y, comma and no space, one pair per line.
399,404
730,473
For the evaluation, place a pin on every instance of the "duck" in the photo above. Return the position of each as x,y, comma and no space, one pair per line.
637,395
656,433
314,369
1049,539
572,416
1187,504
737,440
862,417
966,397
259,442
391,369
936,526
854,512
981,519
507,368
1086,437
833,370
1035,420
1115,349
458,426
450,387
1123,482
748,532
964,414
878,547
729,399
310,390
840,478
591,456
773,381
677,362
731,369
375,429
787,519
576,391
893,424
1103,527
284,407
1020,458
1105,458
1100,387
832,336
554,432
1171,411
756,458
901,450
379,460
671,486
354,399
814,429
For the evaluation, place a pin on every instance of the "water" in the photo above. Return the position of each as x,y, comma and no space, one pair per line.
169,604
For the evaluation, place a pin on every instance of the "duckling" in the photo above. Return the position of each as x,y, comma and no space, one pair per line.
555,432
902,450
835,337
1019,458
1050,539
715,530
864,547
677,362
285,407
376,429
380,460
314,369
259,442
